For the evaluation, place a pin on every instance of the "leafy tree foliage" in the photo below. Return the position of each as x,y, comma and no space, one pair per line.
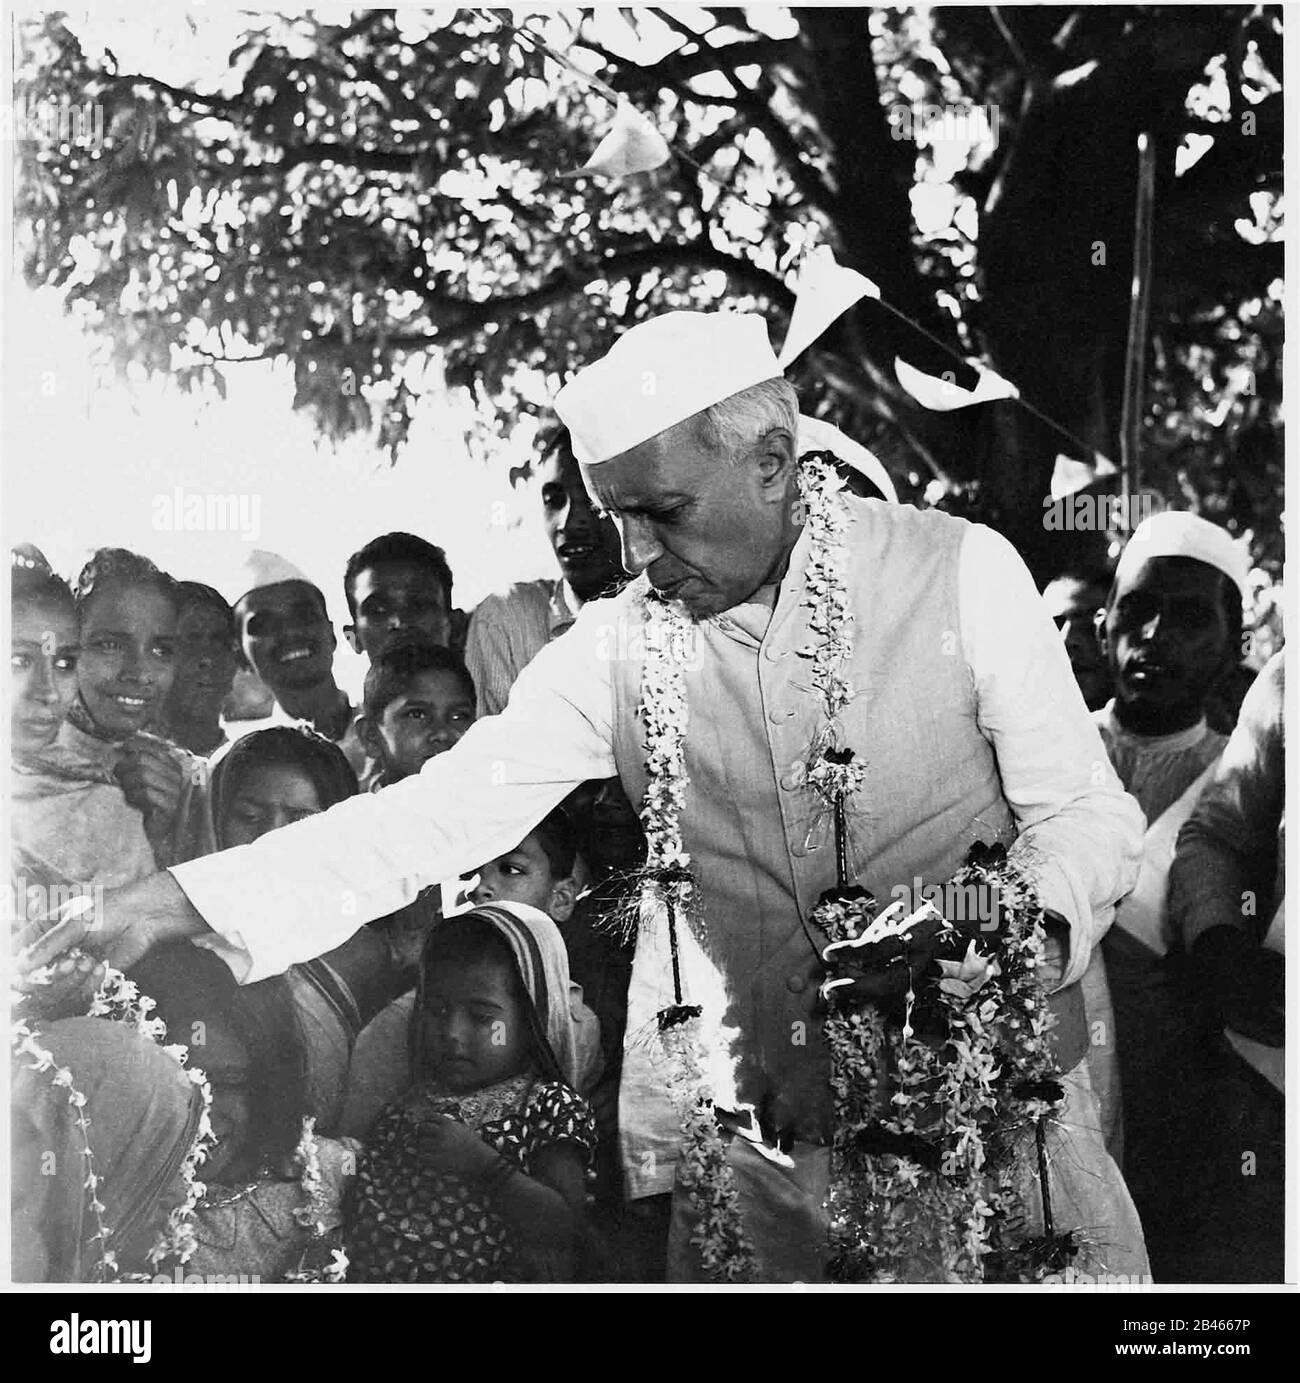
393,205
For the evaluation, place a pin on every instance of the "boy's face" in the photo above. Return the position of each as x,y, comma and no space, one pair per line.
269,796
586,547
393,598
286,636
1073,604
44,643
128,656
1167,634
474,1033
205,665
429,717
524,875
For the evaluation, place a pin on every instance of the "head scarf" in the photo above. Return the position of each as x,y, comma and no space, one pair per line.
320,759
144,1115
542,963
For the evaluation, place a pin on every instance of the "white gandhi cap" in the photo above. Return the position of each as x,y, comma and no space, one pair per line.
1175,533
660,373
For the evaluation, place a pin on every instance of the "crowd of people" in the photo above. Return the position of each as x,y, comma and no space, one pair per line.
460,1055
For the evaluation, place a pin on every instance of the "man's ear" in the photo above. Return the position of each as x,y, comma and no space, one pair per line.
371,740
350,634
774,456
564,897
1099,628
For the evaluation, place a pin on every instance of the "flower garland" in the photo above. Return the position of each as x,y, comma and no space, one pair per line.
119,1000
666,896
931,1124
312,1214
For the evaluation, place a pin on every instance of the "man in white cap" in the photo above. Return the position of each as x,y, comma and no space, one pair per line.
286,637
963,709
1171,632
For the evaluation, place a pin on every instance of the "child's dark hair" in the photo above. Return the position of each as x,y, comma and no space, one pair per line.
406,658
294,746
559,842
116,566
193,986
471,939
195,595
396,547
32,579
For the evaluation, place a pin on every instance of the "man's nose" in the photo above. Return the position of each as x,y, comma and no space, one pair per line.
482,892
42,688
640,546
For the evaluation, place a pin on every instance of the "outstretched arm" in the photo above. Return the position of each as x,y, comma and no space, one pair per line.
303,890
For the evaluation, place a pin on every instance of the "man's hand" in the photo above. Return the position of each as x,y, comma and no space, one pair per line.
66,989
152,781
121,929
452,1147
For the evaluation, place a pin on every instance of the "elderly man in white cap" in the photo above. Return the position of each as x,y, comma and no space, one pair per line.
963,709
1171,632
285,636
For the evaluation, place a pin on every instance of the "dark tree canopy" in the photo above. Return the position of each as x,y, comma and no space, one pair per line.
381,204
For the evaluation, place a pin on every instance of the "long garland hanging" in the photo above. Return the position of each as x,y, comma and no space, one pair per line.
934,1103
119,1000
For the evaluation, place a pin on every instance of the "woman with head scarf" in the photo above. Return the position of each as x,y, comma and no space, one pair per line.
272,778
139,1119
478,1173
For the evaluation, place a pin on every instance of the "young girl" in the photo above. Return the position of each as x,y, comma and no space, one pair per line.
128,611
269,779
478,1173
71,826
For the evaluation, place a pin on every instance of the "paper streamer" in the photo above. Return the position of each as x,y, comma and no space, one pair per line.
826,290
633,145
945,396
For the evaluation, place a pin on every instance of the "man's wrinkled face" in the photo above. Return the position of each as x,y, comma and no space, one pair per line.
586,547
286,635
392,598
1167,633
707,533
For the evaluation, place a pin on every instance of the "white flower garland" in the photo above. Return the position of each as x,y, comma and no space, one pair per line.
119,1000
312,1214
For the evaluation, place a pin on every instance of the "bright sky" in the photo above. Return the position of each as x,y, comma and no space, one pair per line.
89,466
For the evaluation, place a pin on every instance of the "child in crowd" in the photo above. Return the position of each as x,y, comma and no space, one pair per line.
286,637
206,662
45,642
478,1173
104,803
418,702
269,779
398,584
538,873
252,1044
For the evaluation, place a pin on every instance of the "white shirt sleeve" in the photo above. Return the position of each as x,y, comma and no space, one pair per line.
1080,832
303,890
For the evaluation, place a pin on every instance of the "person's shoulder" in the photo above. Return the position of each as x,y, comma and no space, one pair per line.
531,595
554,1098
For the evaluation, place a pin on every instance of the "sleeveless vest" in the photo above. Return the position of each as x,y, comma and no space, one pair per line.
762,842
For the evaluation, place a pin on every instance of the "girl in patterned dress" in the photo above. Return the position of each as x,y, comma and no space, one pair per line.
478,1173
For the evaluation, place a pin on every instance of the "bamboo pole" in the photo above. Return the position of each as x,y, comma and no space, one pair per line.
1139,314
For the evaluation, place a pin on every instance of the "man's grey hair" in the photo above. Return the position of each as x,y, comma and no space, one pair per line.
733,426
